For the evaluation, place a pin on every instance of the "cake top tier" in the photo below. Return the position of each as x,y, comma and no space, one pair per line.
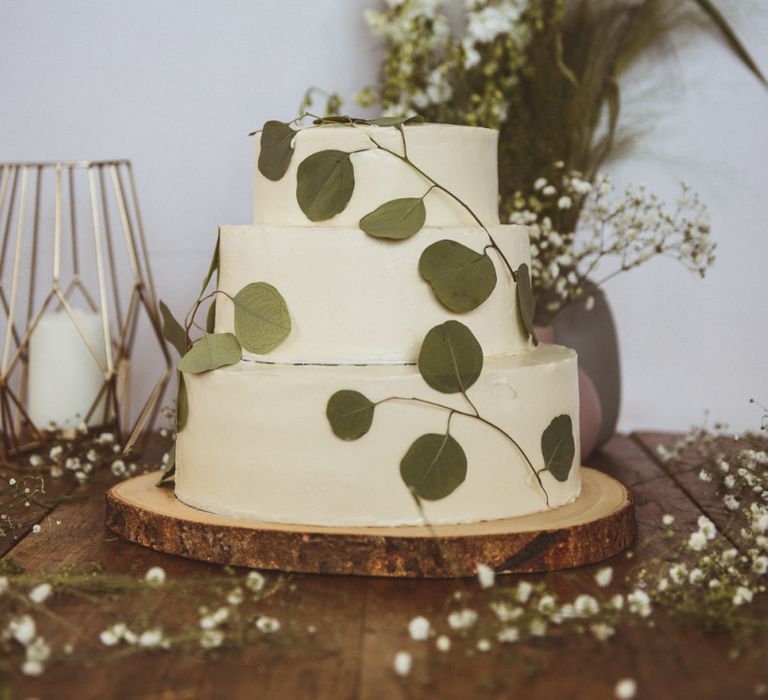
461,159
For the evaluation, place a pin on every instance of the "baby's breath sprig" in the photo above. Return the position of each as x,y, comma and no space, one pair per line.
708,576
614,234
228,610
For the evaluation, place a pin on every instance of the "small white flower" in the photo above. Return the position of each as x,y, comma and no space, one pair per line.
36,528
508,635
537,628
602,631
32,668
151,638
268,625
617,601
540,184
707,527
221,615
731,502
462,619
524,590
211,639
40,593
546,604
697,541
443,643
625,689
760,565
207,622
403,663
729,481
585,605
662,585
564,202
36,460
506,612
639,603
742,595
419,628
108,637
667,519
255,581
23,629
155,576
56,452
548,191
696,576
604,576
38,651
483,645
81,476
105,438
704,475
486,576
235,596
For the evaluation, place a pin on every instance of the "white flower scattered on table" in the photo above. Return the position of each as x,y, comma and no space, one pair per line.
419,628
403,662
155,576
625,689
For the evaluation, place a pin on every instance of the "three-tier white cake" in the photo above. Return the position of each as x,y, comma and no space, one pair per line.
257,443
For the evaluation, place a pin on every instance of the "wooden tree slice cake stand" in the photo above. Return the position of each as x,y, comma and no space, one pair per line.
599,524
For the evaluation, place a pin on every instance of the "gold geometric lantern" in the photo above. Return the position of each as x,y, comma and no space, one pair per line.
76,291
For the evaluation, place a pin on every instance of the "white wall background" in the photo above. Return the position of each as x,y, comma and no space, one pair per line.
176,86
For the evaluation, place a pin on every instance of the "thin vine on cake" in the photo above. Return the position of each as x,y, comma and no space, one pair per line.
451,358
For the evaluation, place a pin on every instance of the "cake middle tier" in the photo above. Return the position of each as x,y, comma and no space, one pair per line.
354,299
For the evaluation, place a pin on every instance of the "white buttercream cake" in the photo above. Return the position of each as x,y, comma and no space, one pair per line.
257,443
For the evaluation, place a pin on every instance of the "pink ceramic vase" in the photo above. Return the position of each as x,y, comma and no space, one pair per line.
590,408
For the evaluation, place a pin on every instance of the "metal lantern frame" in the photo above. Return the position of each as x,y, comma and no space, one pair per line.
114,215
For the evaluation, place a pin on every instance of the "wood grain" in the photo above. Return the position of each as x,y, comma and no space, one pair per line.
598,525
363,622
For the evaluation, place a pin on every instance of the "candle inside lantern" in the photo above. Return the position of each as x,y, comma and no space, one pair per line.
64,378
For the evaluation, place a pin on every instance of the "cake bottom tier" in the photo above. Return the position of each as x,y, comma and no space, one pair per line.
257,443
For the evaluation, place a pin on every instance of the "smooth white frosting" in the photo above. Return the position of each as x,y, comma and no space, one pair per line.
357,299
462,159
257,443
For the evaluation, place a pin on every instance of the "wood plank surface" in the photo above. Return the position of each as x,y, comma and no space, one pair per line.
362,622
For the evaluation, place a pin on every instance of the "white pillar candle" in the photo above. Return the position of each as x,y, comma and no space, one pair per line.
64,378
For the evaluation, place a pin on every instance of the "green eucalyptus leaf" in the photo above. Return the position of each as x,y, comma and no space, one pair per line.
340,119
350,414
434,466
213,350
396,219
525,302
173,331
262,320
210,318
461,278
166,480
213,267
450,359
558,447
324,183
389,121
276,149
182,404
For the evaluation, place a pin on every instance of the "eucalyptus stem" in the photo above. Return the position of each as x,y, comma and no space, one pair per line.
405,159
476,416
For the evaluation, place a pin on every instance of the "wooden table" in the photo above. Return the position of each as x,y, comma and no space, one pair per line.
364,622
